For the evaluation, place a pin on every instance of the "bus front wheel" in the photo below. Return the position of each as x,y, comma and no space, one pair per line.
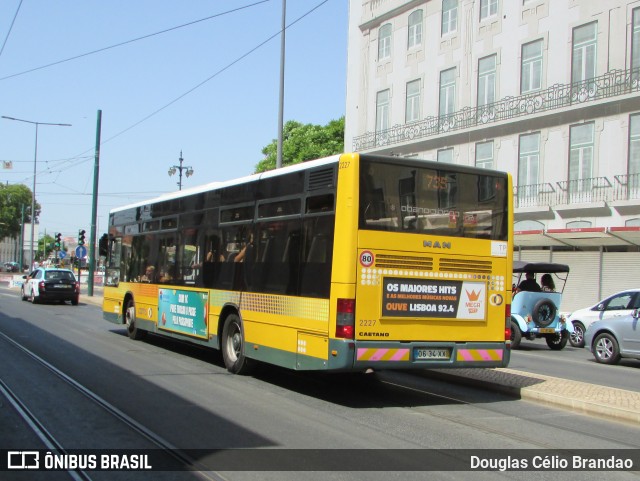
233,346
130,321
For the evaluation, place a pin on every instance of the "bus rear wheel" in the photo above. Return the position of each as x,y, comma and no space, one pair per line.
130,321
233,346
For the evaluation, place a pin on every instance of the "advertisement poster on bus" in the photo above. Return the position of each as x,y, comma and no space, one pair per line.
183,311
428,298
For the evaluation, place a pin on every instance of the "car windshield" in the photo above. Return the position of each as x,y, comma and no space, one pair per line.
66,275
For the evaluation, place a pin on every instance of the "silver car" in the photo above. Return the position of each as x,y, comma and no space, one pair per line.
619,304
611,339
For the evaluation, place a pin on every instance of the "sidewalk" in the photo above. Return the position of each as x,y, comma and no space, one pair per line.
580,397
576,396
96,299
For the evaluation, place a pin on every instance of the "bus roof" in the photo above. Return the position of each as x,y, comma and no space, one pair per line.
241,180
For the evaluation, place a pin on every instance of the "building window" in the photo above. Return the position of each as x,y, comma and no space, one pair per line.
578,224
384,42
447,91
581,157
412,109
487,80
488,8
528,225
484,155
583,64
635,43
531,75
634,144
529,163
415,29
445,155
633,177
382,110
449,16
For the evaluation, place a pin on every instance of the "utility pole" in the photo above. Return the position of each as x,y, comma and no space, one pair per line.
35,163
281,97
94,209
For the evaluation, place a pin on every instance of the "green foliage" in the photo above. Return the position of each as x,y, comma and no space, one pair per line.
302,142
12,198
45,247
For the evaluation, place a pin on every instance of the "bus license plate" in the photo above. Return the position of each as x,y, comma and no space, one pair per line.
546,330
432,353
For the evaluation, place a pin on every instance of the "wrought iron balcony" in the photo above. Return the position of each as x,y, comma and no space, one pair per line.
580,191
559,96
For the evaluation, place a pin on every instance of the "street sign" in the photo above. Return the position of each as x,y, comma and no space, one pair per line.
81,252
62,254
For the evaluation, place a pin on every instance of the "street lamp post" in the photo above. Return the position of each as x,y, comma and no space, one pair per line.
35,162
180,168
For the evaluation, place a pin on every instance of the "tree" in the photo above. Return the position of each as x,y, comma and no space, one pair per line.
302,142
45,247
12,199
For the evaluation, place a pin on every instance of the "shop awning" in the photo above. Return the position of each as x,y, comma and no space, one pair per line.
579,237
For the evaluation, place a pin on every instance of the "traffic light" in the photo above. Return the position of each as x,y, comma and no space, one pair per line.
58,243
81,237
103,245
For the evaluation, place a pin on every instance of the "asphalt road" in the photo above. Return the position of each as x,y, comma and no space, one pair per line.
184,396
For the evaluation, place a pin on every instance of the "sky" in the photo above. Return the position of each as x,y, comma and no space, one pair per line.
209,90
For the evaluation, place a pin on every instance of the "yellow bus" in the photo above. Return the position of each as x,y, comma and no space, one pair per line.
348,263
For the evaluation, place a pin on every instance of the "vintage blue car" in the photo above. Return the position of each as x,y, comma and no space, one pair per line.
535,309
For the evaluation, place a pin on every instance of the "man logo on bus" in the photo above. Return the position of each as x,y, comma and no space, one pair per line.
436,244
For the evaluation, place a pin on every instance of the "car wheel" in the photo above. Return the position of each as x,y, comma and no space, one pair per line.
577,336
74,301
233,346
130,321
558,340
606,349
516,335
544,312
34,299
22,294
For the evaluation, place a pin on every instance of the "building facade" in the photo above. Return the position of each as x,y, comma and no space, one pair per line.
548,90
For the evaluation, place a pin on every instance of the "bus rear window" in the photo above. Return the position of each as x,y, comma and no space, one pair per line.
435,201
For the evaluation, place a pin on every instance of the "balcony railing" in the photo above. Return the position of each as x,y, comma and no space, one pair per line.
612,84
580,191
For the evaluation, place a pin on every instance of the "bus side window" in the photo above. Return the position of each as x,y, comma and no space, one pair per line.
318,249
315,272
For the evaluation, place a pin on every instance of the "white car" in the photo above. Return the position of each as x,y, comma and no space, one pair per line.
621,304
50,284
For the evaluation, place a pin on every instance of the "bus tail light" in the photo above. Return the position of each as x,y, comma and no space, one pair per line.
345,319
507,322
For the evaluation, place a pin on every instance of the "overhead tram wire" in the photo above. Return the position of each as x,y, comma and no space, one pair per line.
144,37
10,28
223,69
180,97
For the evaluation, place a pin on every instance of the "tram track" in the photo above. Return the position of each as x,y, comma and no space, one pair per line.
52,442
365,403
